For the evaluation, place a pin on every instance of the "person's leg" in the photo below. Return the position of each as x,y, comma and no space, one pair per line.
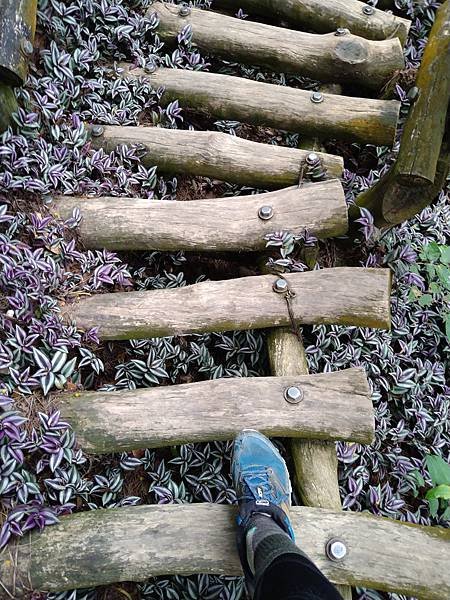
274,567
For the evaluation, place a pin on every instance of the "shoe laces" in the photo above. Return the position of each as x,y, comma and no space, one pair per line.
260,483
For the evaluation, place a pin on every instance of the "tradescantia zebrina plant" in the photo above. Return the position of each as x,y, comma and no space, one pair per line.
42,473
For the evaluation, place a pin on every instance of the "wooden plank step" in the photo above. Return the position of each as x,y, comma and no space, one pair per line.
235,98
321,16
335,406
346,296
337,58
100,547
213,154
222,224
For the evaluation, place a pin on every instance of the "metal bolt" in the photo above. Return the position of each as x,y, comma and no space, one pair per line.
280,286
413,93
184,11
341,31
150,68
368,10
336,550
97,130
317,97
293,395
312,159
27,47
265,213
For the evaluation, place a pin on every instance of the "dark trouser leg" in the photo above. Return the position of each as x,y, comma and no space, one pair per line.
277,569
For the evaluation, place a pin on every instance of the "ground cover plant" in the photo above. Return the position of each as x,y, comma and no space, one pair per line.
42,473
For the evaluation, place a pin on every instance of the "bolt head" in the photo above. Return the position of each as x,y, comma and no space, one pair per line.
27,47
317,97
341,31
280,286
293,394
336,550
184,11
97,130
413,93
265,213
312,158
368,10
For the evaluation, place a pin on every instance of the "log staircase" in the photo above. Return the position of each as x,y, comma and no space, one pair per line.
130,544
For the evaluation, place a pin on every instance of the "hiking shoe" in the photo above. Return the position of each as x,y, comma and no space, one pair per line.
261,480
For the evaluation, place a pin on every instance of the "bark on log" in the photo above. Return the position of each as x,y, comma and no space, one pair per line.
217,155
347,58
17,27
334,406
222,224
235,98
347,296
8,105
315,461
323,17
423,162
100,547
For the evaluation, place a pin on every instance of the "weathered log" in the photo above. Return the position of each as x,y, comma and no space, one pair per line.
344,58
218,155
100,547
347,296
423,162
321,16
236,98
315,461
223,224
8,105
334,406
17,27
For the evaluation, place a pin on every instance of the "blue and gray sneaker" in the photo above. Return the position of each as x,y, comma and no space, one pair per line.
261,480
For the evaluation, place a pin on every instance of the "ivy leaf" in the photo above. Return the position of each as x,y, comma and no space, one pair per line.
447,326
445,255
439,470
441,491
426,300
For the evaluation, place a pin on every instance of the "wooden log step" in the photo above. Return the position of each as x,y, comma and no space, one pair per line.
339,58
335,406
235,98
213,154
101,547
346,296
321,16
222,224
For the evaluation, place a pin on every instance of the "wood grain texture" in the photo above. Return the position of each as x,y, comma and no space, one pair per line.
315,461
335,406
17,25
347,296
221,224
217,155
423,162
321,16
100,547
291,109
349,58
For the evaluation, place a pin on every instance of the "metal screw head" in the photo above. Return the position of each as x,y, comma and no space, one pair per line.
280,286
413,93
27,47
184,11
312,158
97,130
341,31
150,68
293,394
368,10
336,550
317,97
265,213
